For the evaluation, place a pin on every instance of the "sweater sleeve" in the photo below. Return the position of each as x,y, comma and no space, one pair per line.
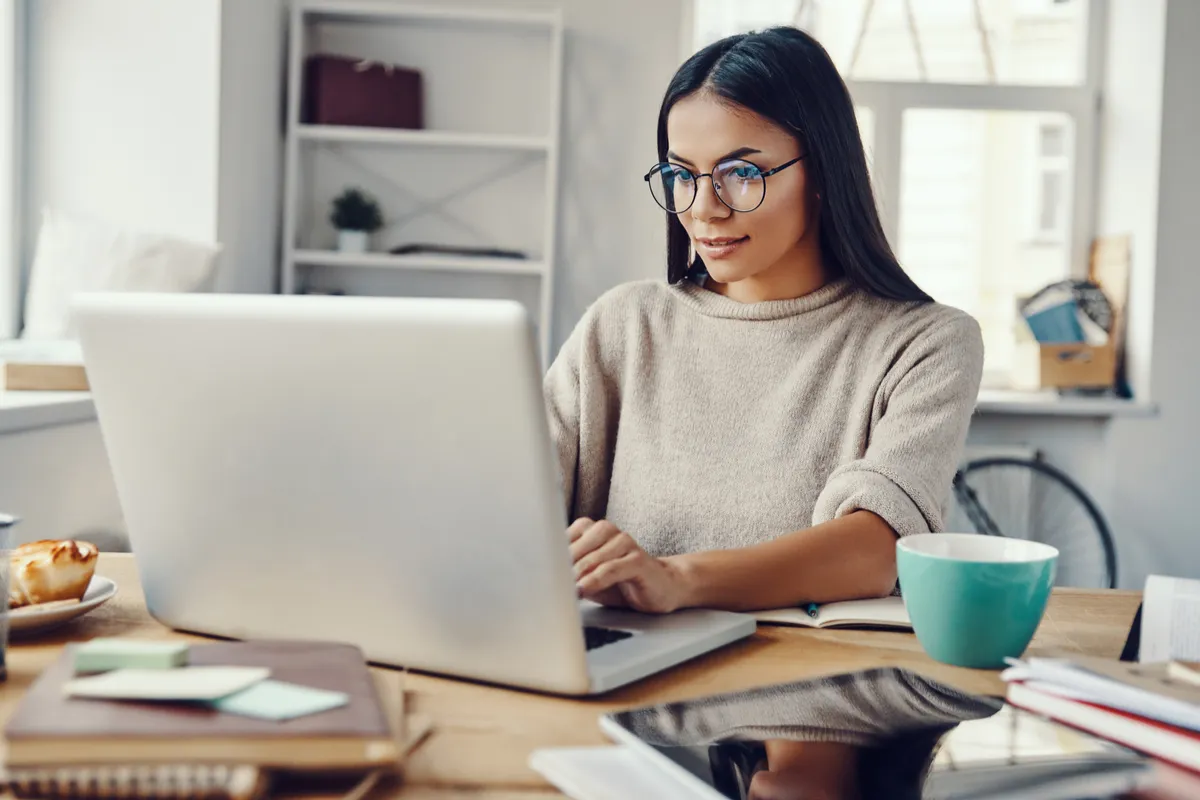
561,390
583,406
914,446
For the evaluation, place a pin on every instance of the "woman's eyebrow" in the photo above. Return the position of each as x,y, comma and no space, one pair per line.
741,151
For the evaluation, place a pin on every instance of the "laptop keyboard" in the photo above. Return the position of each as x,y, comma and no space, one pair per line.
598,637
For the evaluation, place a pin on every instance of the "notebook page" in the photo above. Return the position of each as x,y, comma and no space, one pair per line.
786,616
884,611
1170,620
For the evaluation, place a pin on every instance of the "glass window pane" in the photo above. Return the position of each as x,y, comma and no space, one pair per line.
974,200
1026,42
1052,141
1051,202
866,131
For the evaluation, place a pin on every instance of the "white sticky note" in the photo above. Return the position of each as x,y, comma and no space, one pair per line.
184,683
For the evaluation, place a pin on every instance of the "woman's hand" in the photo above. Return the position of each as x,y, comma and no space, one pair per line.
611,569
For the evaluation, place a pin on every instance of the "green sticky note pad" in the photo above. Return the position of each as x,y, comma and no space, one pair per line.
280,701
104,654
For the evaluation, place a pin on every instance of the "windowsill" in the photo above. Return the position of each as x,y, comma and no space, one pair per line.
23,411
1051,404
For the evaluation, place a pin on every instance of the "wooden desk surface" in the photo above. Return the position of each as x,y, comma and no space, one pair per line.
483,734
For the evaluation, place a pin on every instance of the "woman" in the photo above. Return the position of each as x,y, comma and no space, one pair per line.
757,431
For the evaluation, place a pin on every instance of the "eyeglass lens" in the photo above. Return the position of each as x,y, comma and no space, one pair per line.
739,184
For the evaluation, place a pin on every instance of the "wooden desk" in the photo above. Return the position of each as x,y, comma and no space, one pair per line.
484,735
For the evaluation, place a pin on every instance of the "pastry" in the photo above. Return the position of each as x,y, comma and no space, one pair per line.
49,570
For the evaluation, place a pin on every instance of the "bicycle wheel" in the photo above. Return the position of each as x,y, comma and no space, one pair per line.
1029,499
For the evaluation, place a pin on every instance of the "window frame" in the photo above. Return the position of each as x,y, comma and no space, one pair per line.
1045,166
12,179
888,100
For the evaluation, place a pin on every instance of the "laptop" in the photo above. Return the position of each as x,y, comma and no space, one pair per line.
363,469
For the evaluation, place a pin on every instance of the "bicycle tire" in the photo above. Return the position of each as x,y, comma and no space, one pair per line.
1103,533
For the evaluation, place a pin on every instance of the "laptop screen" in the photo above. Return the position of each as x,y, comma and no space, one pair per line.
877,733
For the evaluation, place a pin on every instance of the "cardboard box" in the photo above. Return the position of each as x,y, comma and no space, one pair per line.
21,376
1064,366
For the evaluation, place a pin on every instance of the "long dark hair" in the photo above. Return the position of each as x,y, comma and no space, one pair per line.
784,75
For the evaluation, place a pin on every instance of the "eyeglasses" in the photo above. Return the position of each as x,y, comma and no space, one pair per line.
740,185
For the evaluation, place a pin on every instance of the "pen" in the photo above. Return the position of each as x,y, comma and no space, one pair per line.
811,608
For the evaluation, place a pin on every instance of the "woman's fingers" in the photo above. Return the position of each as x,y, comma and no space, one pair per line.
577,528
592,538
614,548
610,573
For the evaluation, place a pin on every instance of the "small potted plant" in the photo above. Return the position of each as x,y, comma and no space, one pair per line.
356,216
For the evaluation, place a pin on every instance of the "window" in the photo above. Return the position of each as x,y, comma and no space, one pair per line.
1051,173
975,115
10,72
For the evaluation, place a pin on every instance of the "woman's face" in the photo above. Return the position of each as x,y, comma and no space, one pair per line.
702,131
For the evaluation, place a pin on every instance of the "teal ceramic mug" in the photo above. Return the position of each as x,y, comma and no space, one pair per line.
974,600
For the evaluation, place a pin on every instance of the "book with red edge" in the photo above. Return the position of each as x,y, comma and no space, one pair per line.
1169,743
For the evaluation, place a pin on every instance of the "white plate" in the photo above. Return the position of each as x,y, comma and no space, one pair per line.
32,619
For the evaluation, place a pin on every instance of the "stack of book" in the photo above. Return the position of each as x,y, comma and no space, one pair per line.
1151,708
88,737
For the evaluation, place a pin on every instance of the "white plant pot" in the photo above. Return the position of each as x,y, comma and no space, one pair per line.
353,241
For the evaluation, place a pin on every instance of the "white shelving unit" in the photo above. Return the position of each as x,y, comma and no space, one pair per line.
494,266
470,125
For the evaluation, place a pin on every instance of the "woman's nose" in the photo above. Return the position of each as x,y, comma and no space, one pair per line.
707,205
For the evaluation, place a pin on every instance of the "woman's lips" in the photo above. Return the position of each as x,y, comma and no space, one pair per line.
720,247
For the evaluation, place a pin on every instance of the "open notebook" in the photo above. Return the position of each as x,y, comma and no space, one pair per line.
881,612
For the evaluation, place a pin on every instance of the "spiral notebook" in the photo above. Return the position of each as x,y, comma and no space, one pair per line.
201,781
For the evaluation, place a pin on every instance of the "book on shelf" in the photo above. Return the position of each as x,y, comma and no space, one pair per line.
879,612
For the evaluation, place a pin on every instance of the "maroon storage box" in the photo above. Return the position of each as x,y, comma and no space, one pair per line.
351,91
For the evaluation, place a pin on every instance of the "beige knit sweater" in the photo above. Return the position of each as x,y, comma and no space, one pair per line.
695,422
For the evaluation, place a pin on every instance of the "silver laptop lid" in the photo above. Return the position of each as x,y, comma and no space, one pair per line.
372,470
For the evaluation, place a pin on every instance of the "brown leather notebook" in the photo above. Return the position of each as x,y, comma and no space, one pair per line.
49,728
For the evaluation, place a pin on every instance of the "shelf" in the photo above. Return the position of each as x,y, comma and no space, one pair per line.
1051,404
374,11
430,262
23,411
348,134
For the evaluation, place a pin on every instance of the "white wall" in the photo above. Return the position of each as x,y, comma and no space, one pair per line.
250,162
1131,121
164,117
122,105
1156,461
12,72
56,479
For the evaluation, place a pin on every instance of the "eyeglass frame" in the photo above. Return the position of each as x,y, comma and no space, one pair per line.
709,175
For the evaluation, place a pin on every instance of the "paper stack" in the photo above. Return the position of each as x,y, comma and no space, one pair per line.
1151,708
